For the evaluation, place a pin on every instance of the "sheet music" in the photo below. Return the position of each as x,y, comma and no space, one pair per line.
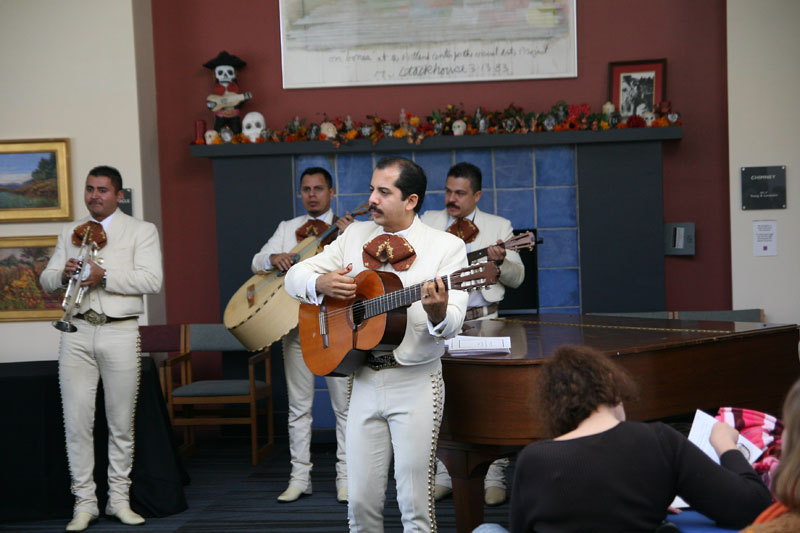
465,345
699,435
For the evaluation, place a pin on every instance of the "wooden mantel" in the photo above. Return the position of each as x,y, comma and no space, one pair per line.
442,142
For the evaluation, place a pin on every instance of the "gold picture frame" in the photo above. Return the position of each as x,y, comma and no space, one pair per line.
22,260
35,181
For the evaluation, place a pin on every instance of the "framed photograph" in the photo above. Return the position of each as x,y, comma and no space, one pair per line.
22,260
34,181
637,86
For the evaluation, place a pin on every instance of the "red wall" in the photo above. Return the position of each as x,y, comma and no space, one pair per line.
690,34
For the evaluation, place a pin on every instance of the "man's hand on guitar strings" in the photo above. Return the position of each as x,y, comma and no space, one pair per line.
282,262
337,284
434,300
496,253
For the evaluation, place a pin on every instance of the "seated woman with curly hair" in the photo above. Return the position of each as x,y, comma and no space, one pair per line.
784,515
601,473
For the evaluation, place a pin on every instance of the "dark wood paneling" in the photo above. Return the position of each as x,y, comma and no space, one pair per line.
252,196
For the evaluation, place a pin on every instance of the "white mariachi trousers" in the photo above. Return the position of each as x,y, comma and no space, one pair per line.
300,389
109,352
394,412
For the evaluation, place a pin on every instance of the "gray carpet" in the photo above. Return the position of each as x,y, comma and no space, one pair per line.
228,494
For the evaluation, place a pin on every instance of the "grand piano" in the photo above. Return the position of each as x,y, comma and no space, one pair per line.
680,366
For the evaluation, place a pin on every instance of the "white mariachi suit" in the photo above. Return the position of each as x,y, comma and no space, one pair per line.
512,274
395,412
300,380
132,260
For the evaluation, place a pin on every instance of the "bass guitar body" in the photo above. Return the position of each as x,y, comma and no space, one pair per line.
335,336
260,312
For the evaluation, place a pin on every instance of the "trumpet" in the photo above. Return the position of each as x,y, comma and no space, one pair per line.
74,293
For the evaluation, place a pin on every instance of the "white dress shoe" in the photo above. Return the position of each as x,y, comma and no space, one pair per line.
291,494
81,521
341,494
440,492
494,496
128,517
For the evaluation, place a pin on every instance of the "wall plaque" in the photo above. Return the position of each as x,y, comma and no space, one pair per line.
764,187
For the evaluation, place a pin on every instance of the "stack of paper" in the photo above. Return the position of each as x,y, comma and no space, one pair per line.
463,345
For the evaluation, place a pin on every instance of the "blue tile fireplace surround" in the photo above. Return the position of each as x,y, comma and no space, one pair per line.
594,198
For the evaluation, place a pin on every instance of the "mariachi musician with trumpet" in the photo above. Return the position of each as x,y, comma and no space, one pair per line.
106,262
316,193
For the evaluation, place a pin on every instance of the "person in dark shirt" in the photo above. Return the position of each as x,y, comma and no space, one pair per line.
602,473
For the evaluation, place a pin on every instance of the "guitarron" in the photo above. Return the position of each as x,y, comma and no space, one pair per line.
261,311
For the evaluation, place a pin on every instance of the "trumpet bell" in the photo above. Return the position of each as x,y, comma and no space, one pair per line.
66,327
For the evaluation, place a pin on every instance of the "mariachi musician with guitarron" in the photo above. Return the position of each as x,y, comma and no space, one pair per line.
316,192
397,394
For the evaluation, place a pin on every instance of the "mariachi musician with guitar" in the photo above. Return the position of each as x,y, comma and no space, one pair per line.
379,303
490,236
316,193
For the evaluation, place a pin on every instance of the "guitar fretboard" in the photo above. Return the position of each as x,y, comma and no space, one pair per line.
393,300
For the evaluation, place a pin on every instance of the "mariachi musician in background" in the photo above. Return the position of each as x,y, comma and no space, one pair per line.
486,232
100,340
316,192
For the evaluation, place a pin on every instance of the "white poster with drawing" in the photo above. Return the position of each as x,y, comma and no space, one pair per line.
335,43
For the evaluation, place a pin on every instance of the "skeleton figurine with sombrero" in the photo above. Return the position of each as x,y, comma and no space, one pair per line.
226,99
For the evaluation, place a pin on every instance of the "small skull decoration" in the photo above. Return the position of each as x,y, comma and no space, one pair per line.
366,130
510,124
328,129
549,122
253,125
226,134
313,132
224,74
388,129
649,117
210,136
459,126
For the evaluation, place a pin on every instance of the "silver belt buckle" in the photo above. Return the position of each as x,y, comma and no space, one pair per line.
94,318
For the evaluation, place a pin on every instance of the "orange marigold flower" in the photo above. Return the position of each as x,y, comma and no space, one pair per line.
414,121
351,134
604,125
399,133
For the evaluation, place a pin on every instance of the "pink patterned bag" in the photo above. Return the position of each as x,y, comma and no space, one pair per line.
761,429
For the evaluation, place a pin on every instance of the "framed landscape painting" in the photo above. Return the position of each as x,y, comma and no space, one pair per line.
22,260
34,181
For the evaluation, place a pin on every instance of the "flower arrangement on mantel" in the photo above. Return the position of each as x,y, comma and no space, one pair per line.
454,120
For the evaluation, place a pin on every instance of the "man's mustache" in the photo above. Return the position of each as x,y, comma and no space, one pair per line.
451,204
374,209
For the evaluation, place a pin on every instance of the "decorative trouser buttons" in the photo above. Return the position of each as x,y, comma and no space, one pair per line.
437,384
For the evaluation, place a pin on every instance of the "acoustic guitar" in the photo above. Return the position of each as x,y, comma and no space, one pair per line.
260,312
336,335
517,242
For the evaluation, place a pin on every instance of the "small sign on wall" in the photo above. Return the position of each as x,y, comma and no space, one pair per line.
126,205
765,238
764,187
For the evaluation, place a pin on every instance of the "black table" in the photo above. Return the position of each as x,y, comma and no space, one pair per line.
33,460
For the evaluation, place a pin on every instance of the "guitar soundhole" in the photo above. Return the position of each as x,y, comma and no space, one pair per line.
358,310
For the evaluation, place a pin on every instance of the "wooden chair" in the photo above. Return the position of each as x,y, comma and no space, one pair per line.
167,338
211,396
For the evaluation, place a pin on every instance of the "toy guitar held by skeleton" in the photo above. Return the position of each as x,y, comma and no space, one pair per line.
216,102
